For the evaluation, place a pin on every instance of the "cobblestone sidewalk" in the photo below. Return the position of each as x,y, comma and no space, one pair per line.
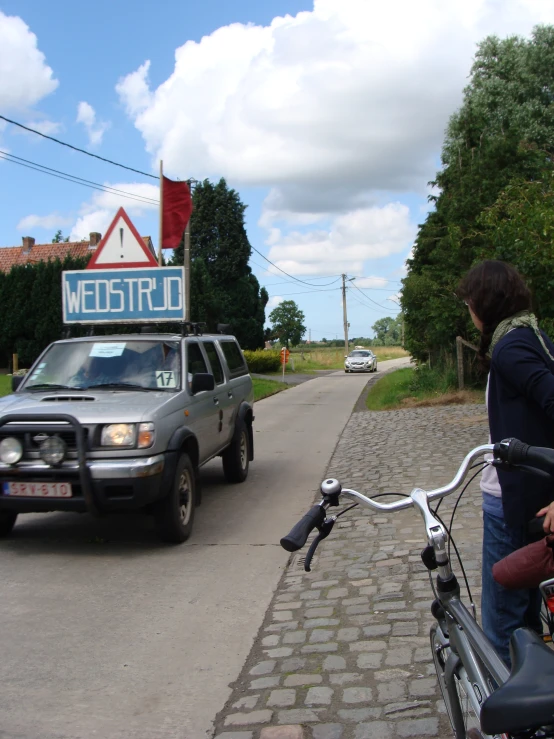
344,650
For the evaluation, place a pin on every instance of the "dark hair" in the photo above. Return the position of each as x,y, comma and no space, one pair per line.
494,291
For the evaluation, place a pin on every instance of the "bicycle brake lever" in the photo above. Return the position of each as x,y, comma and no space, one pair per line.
523,467
324,531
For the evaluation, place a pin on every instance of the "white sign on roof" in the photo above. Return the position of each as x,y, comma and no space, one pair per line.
122,246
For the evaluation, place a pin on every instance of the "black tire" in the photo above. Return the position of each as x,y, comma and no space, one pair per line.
7,522
174,514
236,458
347,371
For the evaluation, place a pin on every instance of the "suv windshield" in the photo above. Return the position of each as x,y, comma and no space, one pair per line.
149,365
360,354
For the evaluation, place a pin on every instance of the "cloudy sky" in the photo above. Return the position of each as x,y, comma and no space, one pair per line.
326,115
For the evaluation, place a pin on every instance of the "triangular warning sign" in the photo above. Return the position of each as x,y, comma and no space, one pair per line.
122,246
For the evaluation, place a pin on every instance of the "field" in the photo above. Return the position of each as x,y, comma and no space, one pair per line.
310,360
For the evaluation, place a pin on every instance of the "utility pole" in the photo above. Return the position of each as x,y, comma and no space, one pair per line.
186,262
344,318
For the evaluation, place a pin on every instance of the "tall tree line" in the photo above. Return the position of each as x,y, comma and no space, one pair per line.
495,191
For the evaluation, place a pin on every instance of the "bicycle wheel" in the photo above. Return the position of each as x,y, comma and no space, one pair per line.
464,716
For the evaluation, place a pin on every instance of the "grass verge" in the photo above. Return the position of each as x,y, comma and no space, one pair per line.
403,389
264,388
5,385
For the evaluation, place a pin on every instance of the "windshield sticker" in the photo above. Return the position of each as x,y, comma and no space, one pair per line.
113,349
165,378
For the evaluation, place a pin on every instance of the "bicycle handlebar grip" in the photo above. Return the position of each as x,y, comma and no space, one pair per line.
535,526
516,452
298,535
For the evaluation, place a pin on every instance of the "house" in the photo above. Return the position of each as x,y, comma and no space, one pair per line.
30,253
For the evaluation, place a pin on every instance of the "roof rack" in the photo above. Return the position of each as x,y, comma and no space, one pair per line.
192,328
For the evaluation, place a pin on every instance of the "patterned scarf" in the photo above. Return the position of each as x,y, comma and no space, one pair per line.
523,319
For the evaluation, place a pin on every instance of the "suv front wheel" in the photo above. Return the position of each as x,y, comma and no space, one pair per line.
174,514
236,458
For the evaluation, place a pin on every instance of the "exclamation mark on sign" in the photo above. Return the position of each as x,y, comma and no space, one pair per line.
121,240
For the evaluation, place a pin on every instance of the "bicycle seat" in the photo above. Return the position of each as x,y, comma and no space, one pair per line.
526,700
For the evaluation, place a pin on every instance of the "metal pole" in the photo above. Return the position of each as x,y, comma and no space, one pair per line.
345,321
161,212
460,362
187,271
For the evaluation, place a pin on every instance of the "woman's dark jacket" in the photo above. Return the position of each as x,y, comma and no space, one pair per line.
521,405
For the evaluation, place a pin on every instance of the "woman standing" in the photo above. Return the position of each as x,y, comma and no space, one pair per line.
520,403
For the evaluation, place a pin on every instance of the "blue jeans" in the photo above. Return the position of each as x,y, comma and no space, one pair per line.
503,610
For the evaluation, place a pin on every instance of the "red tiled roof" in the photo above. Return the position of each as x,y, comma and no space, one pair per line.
12,255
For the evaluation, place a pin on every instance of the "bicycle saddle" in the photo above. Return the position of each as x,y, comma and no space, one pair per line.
526,700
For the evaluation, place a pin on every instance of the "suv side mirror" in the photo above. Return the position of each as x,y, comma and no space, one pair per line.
16,381
202,381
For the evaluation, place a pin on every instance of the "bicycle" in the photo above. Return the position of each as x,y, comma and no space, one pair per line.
482,697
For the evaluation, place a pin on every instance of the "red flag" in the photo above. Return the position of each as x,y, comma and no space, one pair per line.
177,209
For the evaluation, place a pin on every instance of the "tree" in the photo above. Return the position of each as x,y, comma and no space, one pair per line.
387,331
288,323
223,288
503,133
59,238
519,228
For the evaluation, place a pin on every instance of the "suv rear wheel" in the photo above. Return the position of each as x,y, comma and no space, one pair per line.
7,522
236,458
174,514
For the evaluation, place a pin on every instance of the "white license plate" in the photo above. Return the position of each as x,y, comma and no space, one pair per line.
38,489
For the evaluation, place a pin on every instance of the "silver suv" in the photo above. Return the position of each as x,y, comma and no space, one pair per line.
123,423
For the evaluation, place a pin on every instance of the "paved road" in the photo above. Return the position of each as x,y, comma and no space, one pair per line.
105,633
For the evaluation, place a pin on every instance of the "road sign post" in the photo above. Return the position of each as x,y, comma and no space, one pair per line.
285,354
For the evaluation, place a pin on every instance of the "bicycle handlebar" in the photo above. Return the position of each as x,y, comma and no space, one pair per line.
510,451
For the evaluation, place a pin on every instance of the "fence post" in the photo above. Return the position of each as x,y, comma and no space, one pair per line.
15,363
460,361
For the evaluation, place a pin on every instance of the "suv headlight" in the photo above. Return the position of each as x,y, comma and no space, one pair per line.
11,450
119,434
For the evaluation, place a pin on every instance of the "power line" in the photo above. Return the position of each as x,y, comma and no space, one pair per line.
76,148
287,274
371,299
365,305
73,178
308,292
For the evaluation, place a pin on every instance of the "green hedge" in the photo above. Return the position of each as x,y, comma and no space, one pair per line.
263,360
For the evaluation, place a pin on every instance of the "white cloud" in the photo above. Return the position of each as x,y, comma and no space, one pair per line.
354,95
368,282
272,303
51,221
46,127
25,78
134,90
95,129
98,213
353,238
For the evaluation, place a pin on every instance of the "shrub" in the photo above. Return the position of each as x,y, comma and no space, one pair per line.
263,360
